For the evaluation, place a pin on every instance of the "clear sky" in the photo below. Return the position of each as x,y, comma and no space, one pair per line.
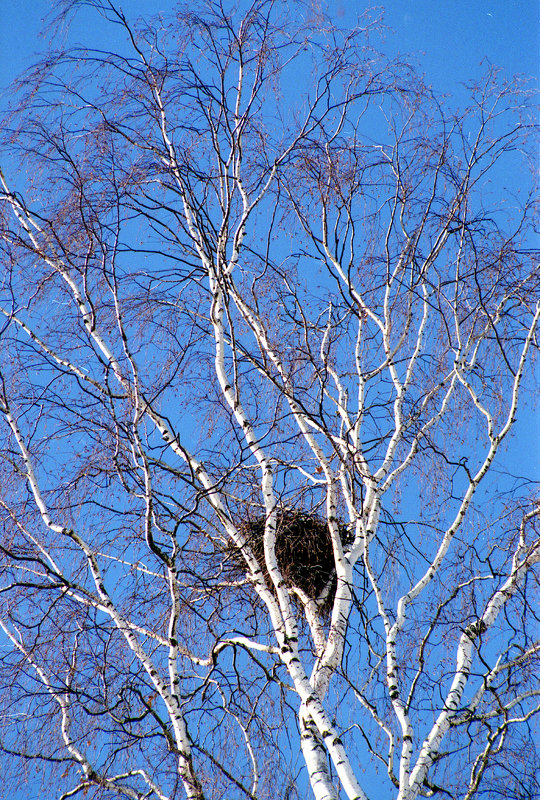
453,37
450,38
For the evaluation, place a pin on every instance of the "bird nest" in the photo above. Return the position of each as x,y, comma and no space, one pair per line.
304,553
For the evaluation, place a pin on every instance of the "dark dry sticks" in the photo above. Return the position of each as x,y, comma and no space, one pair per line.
304,552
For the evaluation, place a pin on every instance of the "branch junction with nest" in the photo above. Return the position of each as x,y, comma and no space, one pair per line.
304,553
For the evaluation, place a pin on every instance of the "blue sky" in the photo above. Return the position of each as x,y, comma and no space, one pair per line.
455,36
450,38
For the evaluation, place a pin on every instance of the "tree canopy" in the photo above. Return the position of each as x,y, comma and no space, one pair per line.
268,316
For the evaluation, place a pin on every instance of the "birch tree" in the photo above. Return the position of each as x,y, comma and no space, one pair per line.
268,320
